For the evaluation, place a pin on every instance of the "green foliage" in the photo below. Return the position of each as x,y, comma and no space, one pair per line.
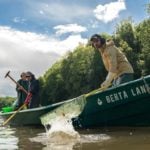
52,84
127,40
143,33
78,73
6,101
148,9
125,32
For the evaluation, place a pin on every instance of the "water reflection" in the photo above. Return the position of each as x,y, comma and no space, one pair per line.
14,138
8,140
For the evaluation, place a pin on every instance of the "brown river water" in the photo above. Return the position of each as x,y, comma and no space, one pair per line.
36,138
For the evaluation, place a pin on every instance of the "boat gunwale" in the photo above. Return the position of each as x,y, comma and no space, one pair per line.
38,108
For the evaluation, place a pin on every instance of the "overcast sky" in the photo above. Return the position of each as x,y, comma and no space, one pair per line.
34,34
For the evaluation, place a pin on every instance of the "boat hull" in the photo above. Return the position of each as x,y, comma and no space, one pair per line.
125,105
28,117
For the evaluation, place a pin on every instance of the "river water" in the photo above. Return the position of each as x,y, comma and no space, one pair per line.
35,138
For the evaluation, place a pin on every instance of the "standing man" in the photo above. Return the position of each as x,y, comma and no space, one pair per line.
33,90
118,67
21,95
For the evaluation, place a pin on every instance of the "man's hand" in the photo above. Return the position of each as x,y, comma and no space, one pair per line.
108,80
106,84
20,88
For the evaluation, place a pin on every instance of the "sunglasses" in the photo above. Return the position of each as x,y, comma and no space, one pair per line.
28,76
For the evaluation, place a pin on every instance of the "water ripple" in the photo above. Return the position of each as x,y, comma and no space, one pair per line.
8,140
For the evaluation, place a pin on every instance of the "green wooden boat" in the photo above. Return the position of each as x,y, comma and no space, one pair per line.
28,116
125,105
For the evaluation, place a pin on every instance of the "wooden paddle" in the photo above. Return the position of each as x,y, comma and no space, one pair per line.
27,100
8,75
97,90
6,121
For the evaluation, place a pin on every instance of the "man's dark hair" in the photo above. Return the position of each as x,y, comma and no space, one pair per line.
98,37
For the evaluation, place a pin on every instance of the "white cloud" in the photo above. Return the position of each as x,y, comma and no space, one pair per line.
26,51
109,12
93,24
68,44
38,42
41,12
19,20
69,28
58,11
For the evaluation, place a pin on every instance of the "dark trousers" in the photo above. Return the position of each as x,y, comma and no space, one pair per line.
126,77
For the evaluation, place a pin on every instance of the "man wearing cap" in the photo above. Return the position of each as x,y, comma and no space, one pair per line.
118,67
21,95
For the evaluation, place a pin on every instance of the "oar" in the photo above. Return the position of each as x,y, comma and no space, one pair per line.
28,98
97,90
8,75
6,121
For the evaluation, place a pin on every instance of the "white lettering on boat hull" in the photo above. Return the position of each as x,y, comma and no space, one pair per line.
123,95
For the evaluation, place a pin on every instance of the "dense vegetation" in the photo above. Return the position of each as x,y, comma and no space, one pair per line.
82,70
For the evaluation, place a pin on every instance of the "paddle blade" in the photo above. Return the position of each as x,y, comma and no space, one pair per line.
71,108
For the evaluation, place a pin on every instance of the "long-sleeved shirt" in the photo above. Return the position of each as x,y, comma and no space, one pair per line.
114,60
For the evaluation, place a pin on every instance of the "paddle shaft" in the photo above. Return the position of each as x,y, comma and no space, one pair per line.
27,100
16,83
97,90
6,121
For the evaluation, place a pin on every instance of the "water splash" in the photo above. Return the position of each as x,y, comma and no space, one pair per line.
60,134
62,131
84,139
58,123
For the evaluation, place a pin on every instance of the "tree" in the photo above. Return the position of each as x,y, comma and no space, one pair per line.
143,33
125,38
148,9
79,72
